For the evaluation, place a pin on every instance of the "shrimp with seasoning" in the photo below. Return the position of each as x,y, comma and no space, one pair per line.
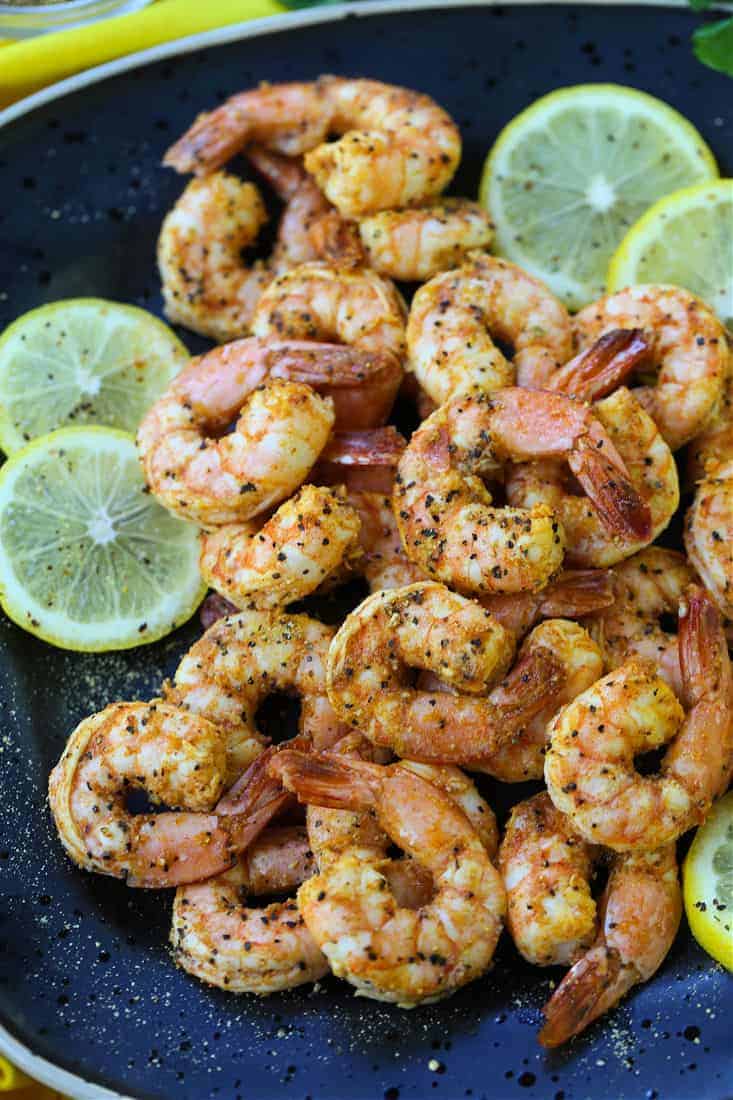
217,936
427,626
448,525
391,952
206,286
709,520
640,912
589,768
396,147
454,316
647,586
355,307
577,663
179,760
241,660
688,353
305,542
282,425
652,476
546,867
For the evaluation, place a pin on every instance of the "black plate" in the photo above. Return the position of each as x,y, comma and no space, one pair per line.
85,978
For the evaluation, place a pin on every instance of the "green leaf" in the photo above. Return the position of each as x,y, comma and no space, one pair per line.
700,5
713,45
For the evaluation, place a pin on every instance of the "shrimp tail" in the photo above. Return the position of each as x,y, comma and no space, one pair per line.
256,798
327,779
368,447
590,988
703,649
620,507
213,608
601,368
577,592
533,682
337,240
285,175
207,144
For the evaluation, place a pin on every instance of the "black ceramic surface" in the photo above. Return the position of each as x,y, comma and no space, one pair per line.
85,977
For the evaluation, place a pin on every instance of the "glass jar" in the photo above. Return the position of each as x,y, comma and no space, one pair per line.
25,18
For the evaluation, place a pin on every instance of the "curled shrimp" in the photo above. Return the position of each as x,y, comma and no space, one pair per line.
546,867
396,147
427,626
448,525
393,953
589,768
647,586
218,937
688,352
266,566
576,663
179,759
241,660
333,832
709,520
282,425
639,914
454,317
356,307
206,285
652,475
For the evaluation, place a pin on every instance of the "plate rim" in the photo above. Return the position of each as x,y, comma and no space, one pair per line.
40,1069
270,24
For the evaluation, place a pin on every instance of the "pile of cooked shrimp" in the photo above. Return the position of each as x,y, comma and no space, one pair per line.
516,623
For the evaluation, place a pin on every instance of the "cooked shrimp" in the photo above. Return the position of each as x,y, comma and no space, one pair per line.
594,372
384,563
708,535
388,952
206,285
242,659
589,768
361,460
333,832
580,664
267,566
281,429
427,626
652,475
647,586
310,228
218,938
179,759
546,867
689,353
713,447
574,593
576,663
320,302
415,244
640,913
454,317
447,523
396,148
709,521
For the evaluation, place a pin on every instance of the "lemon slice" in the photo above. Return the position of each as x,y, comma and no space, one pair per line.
567,178
82,361
708,883
685,239
88,559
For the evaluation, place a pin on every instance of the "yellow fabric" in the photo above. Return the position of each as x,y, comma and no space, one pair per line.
15,1084
29,65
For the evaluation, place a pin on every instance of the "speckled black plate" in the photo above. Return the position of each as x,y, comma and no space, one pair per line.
86,984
